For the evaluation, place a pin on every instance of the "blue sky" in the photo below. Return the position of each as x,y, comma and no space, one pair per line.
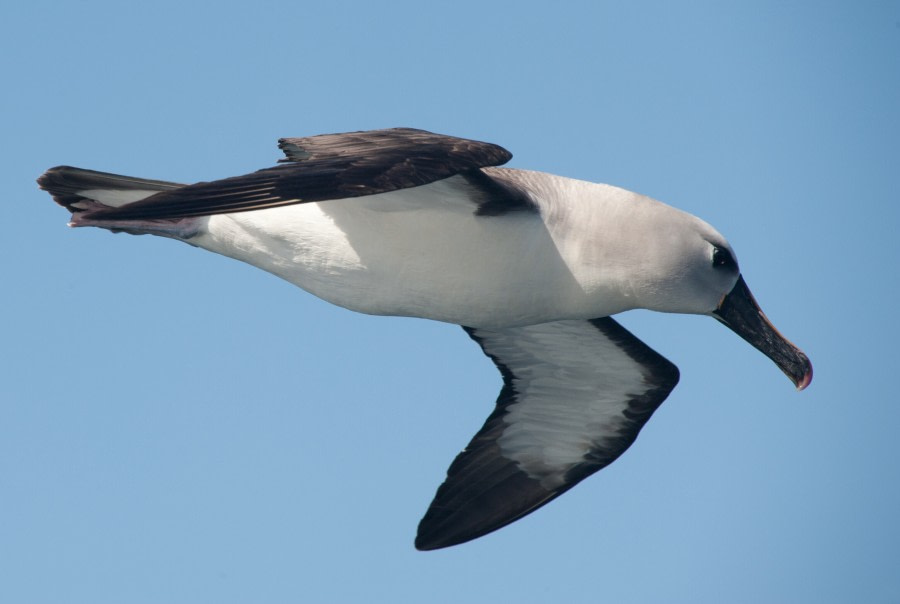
178,427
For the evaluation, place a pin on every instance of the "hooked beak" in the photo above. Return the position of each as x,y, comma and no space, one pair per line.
740,312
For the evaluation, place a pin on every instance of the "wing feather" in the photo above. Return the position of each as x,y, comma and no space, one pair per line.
321,168
575,396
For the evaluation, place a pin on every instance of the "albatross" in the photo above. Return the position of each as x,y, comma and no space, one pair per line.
410,223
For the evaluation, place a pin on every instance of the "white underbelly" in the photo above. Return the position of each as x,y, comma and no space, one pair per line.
442,263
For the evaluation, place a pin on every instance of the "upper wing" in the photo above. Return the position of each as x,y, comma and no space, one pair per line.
575,395
318,168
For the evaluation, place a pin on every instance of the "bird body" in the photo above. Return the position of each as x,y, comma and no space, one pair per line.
532,265
422,252
418,252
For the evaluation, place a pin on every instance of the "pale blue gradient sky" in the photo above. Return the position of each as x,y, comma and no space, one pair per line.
177,427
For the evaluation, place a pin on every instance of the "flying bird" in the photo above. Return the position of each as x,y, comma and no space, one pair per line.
531,265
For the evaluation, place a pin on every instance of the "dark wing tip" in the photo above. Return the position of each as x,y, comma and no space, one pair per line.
59,183
67,185
51,177
483,492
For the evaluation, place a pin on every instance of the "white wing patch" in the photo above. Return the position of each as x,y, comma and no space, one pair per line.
572,386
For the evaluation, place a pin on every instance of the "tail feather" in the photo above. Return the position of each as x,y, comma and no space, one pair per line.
77,189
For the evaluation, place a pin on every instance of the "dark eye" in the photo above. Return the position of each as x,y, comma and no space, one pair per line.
722,258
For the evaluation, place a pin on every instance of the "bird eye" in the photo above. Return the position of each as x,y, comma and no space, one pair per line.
722,258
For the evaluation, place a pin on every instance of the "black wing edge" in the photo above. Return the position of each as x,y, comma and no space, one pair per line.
320,168
484,491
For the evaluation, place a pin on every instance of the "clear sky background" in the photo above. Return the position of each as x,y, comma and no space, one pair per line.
177,427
